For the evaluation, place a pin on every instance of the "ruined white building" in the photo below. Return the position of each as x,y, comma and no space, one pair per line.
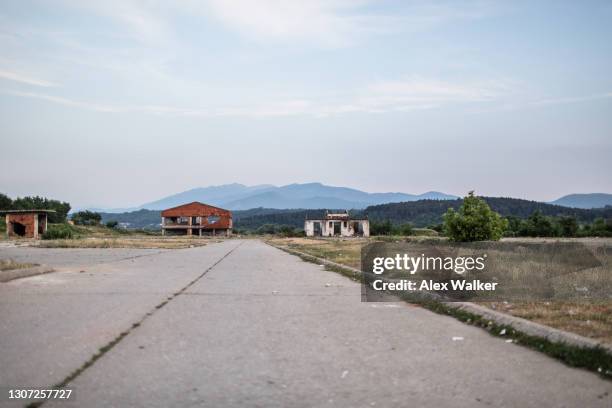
337,225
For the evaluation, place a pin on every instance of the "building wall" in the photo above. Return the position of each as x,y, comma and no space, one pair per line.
30,221
223,226
327,227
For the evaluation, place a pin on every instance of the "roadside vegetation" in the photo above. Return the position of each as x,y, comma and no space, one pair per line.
589,319
99,236
9,264
474,221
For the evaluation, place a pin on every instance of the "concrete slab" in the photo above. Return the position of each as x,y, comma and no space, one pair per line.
51,324
264,328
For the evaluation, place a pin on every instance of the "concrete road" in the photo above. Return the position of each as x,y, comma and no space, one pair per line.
240,323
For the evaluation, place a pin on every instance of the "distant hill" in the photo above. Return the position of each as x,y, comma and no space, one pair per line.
593,200
140,219
307,196
420,213
427,212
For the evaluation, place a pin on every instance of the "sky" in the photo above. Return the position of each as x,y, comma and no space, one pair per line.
116,103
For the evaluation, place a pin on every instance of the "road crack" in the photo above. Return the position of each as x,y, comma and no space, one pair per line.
107,347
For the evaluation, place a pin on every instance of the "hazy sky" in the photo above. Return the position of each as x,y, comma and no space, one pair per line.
116,103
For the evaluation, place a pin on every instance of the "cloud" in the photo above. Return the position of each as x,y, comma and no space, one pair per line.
322,22
25,79
540,103
386,96
147,22
570,99
333,23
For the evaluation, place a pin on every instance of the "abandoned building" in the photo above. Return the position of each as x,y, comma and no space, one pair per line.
196,219
26,223
337,225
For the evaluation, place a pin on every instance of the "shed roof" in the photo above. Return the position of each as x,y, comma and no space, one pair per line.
34,211
195,208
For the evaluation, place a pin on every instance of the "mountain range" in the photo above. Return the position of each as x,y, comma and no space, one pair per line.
593,200
307,196
317,195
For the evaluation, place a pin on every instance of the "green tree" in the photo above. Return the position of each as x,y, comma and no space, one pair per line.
568,226
5,202
111,224
41,203
515,225
86,218
381,228
601,228
474,221
537,225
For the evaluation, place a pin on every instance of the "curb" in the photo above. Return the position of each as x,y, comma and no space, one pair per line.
12,274
528,327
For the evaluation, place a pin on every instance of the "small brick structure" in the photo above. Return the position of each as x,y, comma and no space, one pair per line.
196,219
26,223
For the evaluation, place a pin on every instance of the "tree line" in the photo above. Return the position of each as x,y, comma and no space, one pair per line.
61,208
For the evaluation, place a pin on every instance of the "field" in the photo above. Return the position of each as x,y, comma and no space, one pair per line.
102,237
592,319
140,242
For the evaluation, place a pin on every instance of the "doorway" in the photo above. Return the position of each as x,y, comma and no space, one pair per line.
18,228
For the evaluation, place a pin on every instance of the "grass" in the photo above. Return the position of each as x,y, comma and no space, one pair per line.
9,264
592,320
137,242
596,359
102,237
588,319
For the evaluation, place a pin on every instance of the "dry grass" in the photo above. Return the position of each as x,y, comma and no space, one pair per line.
138,242
9,264
592,320
342,251
589,319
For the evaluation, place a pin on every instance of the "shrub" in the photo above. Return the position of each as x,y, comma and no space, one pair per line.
601,228
537,225
381,228
112,224
266,229
59,231
475,221
86,218
402,229
568,226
